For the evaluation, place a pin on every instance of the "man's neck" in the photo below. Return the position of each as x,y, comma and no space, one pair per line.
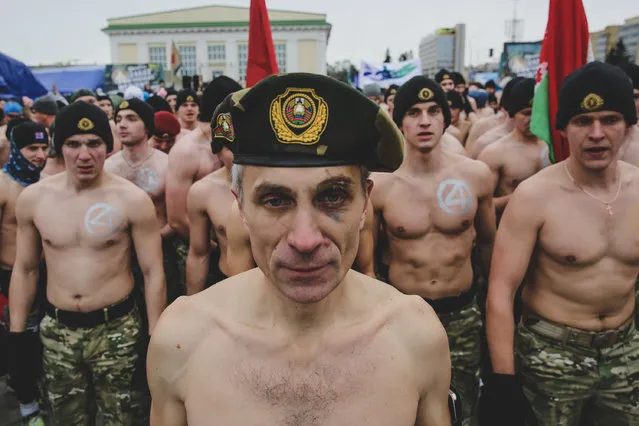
604,179
78,186
300,320
138,153
188,126
526,138
419,162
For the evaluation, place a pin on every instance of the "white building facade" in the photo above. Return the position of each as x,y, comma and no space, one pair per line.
213,40
445,48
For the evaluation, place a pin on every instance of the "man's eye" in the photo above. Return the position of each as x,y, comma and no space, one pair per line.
610,120
333,198
275,202
583,121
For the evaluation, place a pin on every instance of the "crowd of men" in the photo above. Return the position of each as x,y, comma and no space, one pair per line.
467,280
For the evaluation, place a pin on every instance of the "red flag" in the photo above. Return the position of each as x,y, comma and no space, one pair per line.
261,53
565,48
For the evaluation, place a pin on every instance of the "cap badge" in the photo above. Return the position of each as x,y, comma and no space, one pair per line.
446,77
592,102
224,127
85,124
124,105
450,103
299,116
393,91
39,136
189,98
425,94
165,135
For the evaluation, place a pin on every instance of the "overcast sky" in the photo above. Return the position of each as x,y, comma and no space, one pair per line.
48,31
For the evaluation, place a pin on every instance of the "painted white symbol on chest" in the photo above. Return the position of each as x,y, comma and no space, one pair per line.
101,220
455,197
147,179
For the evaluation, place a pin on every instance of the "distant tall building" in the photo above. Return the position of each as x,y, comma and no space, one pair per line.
603,41
445,48
629,33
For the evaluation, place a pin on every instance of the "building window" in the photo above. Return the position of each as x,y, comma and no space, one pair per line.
217,52
280,56
189,60
157,55
242,60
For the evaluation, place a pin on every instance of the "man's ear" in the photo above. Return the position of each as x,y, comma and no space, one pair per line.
239,207
367,205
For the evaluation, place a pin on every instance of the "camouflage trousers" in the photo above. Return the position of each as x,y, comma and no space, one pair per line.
94,368
463,328
569,385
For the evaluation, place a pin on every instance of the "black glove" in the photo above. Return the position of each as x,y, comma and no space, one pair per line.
25,364
503,403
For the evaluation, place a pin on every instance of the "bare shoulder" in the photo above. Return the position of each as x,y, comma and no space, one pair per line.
178,333
541,186
382,184
183,149
474,169
417,326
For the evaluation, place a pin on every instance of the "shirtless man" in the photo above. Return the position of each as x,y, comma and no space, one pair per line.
389,97
146,167
493,127
519,155
302,340
29,147
187,109
167,128
87,221
572,228
446,209
210,203
192,159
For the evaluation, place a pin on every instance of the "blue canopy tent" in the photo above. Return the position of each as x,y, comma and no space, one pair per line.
70,79
17,79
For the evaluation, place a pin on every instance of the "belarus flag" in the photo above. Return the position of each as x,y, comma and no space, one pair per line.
565,48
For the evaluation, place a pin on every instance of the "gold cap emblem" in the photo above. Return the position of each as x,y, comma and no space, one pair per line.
592,102
426,94
299,116
124,105
450,103
85,124
189,98
165,135
446,77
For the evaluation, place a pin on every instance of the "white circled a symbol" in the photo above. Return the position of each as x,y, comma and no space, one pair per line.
101,220
455,197
147,179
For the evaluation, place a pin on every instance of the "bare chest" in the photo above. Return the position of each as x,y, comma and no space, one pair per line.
521,164
218,209
86,223
581,231
446,206
149,176
256,388
12,191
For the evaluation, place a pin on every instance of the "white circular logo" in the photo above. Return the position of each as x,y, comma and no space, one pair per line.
455,197
147,179
101,220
